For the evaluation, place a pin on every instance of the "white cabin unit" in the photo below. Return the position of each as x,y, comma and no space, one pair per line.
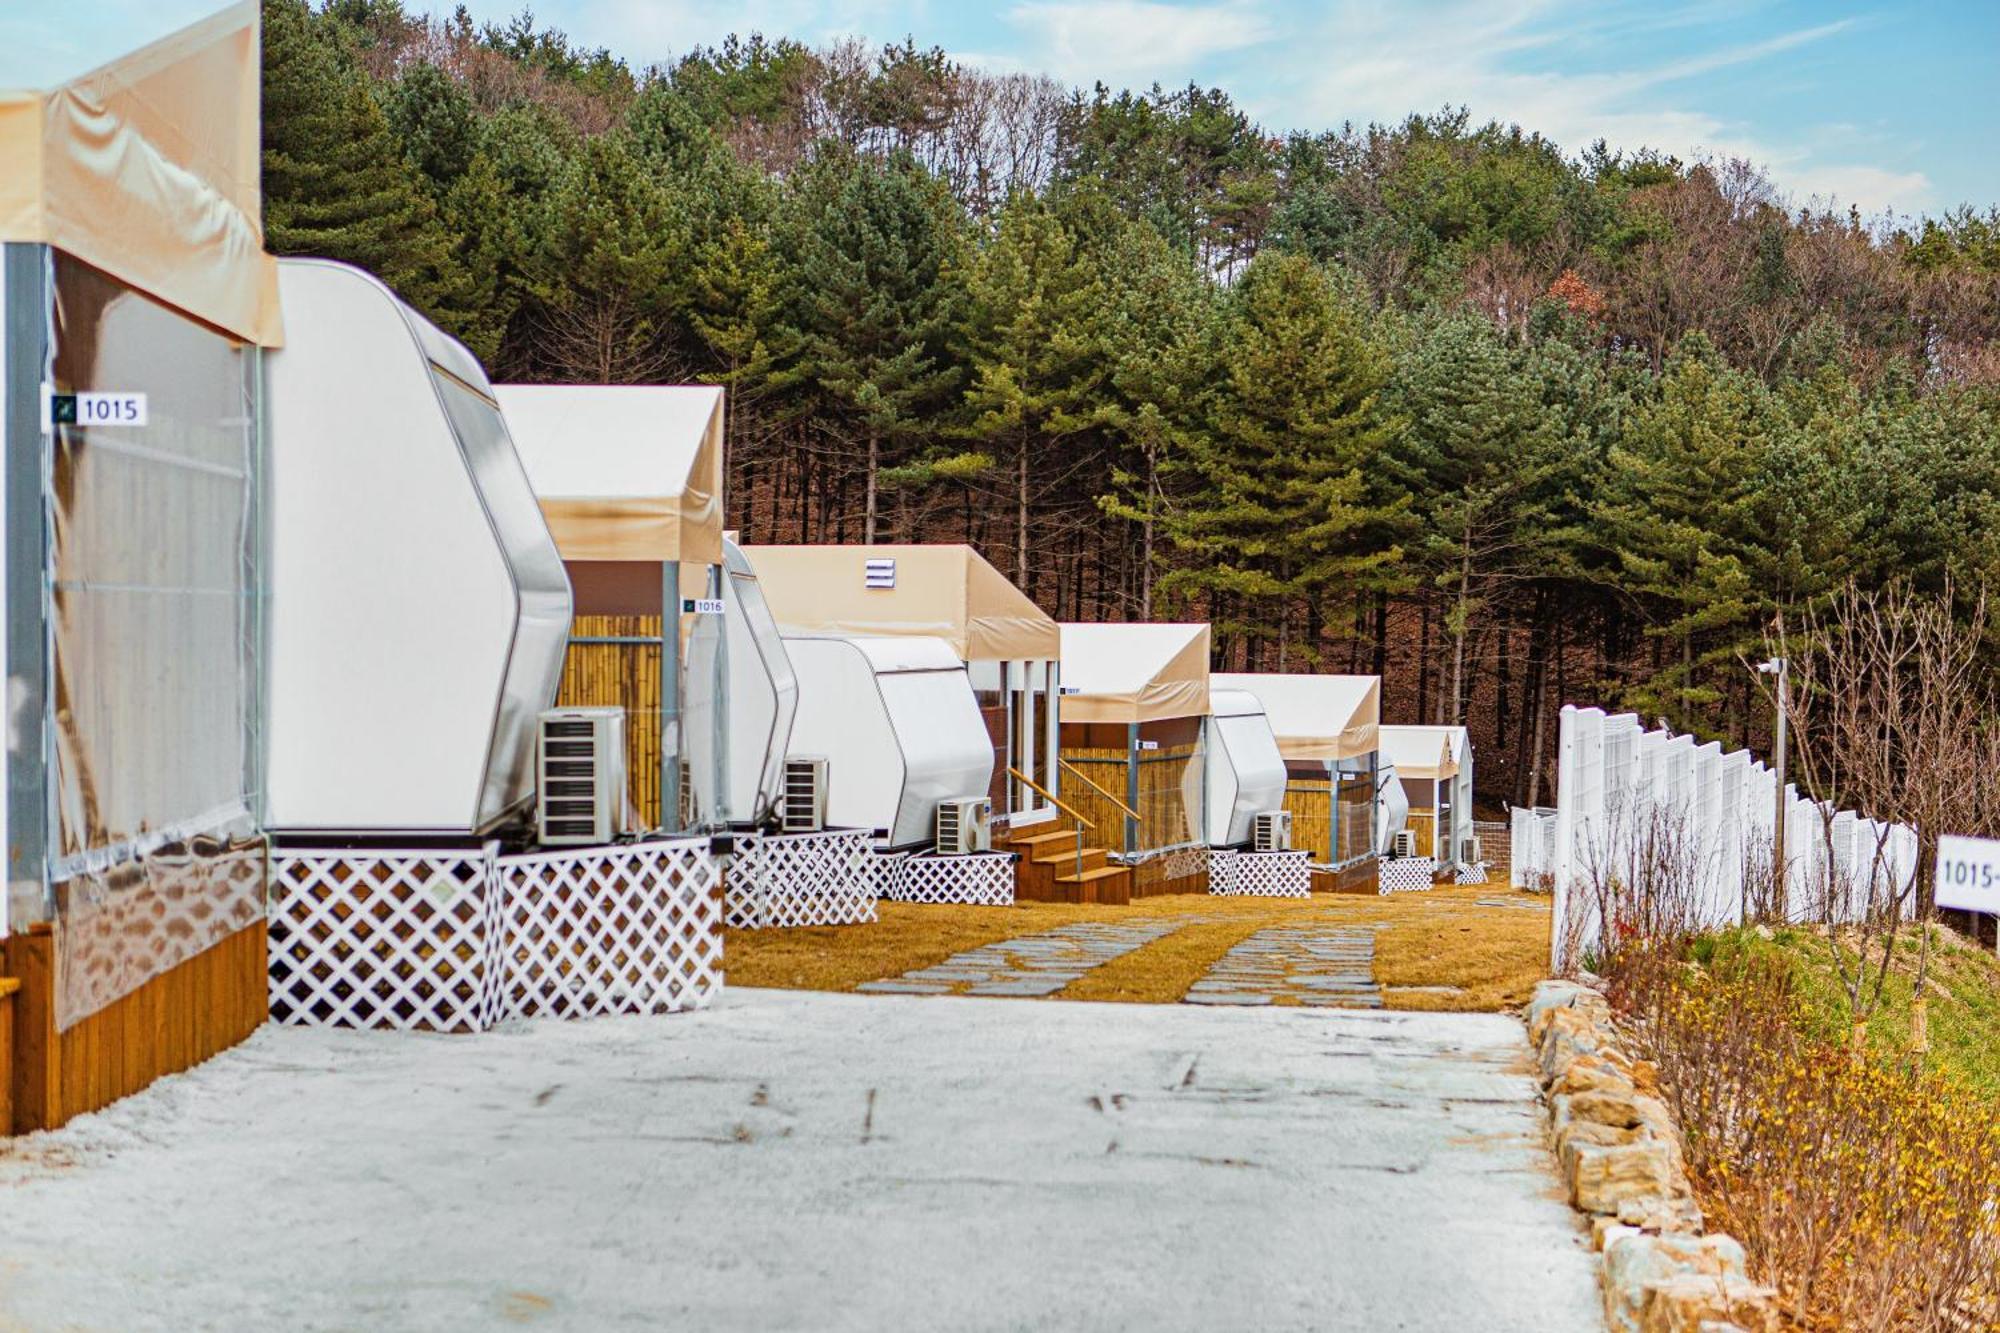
1326,729
629,479
1435,766
418,605
1246,773
898,726
760,698
1010,647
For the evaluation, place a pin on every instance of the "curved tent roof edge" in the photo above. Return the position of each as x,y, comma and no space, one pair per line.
147,168
1140,672
623,472
1317,718
1425,751
946,591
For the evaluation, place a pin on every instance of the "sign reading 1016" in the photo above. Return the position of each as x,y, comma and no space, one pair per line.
1968,874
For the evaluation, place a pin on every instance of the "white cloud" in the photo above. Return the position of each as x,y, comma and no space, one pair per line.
1133,42
1376,65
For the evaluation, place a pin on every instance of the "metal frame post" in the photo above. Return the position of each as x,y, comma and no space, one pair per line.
718,590
670,696
1131,786
27,289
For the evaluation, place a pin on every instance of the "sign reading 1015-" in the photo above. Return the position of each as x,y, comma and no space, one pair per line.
1968,874
92,409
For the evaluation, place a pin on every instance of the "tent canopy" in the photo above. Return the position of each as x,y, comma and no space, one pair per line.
148,167
945,592
623,472
1134,673
1424,752
1317,719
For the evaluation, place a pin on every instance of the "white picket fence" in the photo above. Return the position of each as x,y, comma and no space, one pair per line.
1626,795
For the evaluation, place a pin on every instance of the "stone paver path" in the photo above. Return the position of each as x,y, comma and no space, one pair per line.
1033,965
1323,967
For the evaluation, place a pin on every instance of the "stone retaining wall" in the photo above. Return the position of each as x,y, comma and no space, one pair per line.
1620,1155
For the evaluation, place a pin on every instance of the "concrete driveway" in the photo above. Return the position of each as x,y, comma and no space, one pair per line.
797,1160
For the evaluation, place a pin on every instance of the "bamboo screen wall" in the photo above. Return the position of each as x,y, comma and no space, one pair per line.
1310,801
1165,777
1313,805
1423,823
627,674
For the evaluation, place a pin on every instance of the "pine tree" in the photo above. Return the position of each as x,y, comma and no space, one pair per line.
875,257
336,183
1276,504
1034,375
1475,453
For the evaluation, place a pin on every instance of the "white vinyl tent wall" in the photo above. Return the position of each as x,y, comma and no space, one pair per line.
1621,790
418,606
760,695
1245,773
898,725
1392,808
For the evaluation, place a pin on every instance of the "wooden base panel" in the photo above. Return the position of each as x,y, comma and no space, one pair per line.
173,1022
1365,878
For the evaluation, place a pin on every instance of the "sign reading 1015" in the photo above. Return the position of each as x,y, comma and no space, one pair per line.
1968,874
92,409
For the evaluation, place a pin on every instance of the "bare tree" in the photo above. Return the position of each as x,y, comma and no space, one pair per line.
1898,719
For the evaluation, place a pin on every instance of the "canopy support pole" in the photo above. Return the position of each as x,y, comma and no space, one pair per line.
670,696
718,591
1131,786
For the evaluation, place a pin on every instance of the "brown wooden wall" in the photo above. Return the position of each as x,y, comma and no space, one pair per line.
178,1019
626,674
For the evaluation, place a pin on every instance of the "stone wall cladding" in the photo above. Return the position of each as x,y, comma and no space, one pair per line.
1620,1155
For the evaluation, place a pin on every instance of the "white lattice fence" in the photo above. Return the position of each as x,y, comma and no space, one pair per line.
802,879
611,930
983,879
1222,870
457,940
1408,874
385,939
1266,875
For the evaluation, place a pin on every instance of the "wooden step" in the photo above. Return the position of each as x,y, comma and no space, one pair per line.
1066,860
1105,884
1034,844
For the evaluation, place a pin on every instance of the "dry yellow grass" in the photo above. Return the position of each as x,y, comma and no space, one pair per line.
1441,938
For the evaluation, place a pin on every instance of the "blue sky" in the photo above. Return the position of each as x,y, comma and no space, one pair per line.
1878,105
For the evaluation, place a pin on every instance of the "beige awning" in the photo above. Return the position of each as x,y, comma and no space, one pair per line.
1423,752
945,592
623,472
148,168
1317,719
1134,673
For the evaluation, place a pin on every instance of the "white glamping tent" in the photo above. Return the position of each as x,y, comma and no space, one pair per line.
629,479
1326,727
418,606
1009,645
760,697
1435,765
896,721
1246,773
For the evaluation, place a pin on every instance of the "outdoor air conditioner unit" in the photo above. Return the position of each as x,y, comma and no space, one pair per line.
1271,831
579,776
1473,850
1404,844
965,826
802,804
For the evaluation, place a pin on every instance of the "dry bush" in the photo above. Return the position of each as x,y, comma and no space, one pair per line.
1863,1190
1644,881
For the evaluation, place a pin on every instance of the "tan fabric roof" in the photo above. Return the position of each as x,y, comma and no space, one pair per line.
1423,752
148,169
1133,673
946,592
1317,719
623,472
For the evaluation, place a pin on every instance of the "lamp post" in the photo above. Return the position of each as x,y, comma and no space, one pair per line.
1781,668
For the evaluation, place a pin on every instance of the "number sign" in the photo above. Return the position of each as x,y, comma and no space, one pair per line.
1968,874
